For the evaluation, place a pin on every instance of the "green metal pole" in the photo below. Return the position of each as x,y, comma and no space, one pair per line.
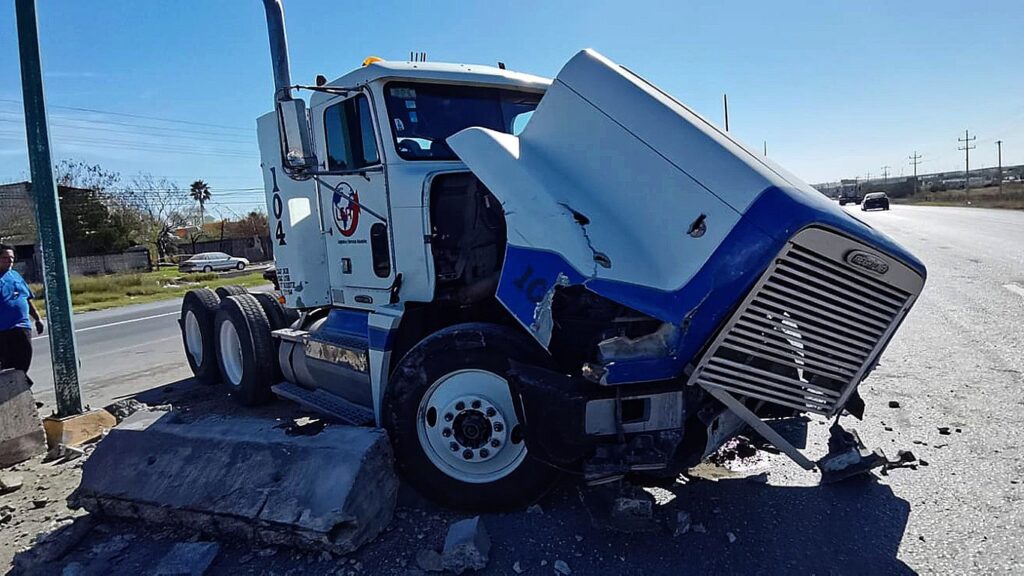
63,353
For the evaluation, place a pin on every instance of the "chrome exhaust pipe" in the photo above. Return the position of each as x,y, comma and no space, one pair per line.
278,50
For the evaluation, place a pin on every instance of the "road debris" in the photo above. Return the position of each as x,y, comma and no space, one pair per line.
466,546
429,560
188,559
562,568
731,537
517,568
10,483
894,404
944,430
535,509
682,523
847,456
699,529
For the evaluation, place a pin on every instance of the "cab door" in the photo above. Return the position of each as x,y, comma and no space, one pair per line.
356,211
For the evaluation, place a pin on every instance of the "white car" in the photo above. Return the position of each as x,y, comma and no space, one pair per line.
211,261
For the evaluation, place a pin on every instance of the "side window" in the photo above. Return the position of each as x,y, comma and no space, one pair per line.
351,144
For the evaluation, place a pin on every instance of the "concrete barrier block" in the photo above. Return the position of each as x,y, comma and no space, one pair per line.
241,477
21,432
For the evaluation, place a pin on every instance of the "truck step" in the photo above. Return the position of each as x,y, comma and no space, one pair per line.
325,403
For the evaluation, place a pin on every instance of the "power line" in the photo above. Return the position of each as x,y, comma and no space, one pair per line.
967,147
127,115
915,160
174,129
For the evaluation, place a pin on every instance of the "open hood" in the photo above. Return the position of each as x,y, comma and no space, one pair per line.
614,185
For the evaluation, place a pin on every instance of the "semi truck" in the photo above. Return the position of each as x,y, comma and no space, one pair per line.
521,277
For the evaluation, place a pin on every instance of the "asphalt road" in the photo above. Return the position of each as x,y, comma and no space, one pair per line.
121,352
957,362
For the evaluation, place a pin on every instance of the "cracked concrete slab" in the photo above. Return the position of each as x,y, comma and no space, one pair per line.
244,478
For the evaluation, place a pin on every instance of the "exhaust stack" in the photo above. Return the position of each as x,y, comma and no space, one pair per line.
278,50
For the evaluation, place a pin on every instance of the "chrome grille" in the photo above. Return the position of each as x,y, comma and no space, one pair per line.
806,333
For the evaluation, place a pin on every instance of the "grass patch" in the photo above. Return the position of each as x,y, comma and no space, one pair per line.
1011,198
102,292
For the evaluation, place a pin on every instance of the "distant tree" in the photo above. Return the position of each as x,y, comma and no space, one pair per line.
200,192
89,210
163,208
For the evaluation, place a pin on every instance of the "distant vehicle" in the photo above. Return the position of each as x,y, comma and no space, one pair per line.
848,196
875,200
212,261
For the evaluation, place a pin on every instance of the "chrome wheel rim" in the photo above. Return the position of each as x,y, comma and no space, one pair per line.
193,338
466,423
231,353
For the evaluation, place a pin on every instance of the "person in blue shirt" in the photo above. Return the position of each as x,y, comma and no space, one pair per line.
17,315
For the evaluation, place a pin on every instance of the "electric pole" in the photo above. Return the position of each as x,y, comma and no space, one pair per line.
63,353
765,147
999,173
915,160
885,175
967,147
725,105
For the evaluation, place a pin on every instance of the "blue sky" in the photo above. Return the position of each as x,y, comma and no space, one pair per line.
838,89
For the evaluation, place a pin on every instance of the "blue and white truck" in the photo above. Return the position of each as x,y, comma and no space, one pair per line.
519,277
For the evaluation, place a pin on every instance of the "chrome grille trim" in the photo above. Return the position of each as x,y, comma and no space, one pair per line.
808,331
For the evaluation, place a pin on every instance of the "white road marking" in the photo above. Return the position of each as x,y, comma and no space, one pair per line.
116,323
122,350
1015,289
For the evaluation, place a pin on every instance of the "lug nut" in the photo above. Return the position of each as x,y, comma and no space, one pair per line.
491,412
467,454
484,452
449,417
476,403
447,432
454,446
498,426
460,406
495,443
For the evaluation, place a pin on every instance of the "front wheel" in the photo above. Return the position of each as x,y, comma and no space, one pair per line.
241,266
452,419
207,269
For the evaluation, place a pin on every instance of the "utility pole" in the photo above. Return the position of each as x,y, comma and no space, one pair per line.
765,147
967,147
999,173
725,105
885,175
63,354
915,160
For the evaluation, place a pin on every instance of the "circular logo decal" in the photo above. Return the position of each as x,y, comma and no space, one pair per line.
346,209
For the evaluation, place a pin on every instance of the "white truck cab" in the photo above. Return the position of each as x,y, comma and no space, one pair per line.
517,276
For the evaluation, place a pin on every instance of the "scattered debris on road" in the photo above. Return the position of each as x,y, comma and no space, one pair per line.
466,546
894,404
847,456
562,568
682,523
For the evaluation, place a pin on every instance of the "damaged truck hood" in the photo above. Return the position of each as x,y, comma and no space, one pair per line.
616,186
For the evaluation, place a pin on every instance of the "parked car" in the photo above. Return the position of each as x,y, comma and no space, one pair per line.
211,261
875,200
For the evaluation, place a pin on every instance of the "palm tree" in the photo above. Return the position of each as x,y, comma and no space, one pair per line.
200,192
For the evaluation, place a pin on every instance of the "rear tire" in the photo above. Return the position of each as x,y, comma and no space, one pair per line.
278,316
207,269
245,350
198,310
453,423
230,290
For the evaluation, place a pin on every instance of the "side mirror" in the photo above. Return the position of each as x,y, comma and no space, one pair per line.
296,145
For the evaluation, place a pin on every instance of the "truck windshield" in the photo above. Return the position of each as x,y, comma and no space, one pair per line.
424,115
